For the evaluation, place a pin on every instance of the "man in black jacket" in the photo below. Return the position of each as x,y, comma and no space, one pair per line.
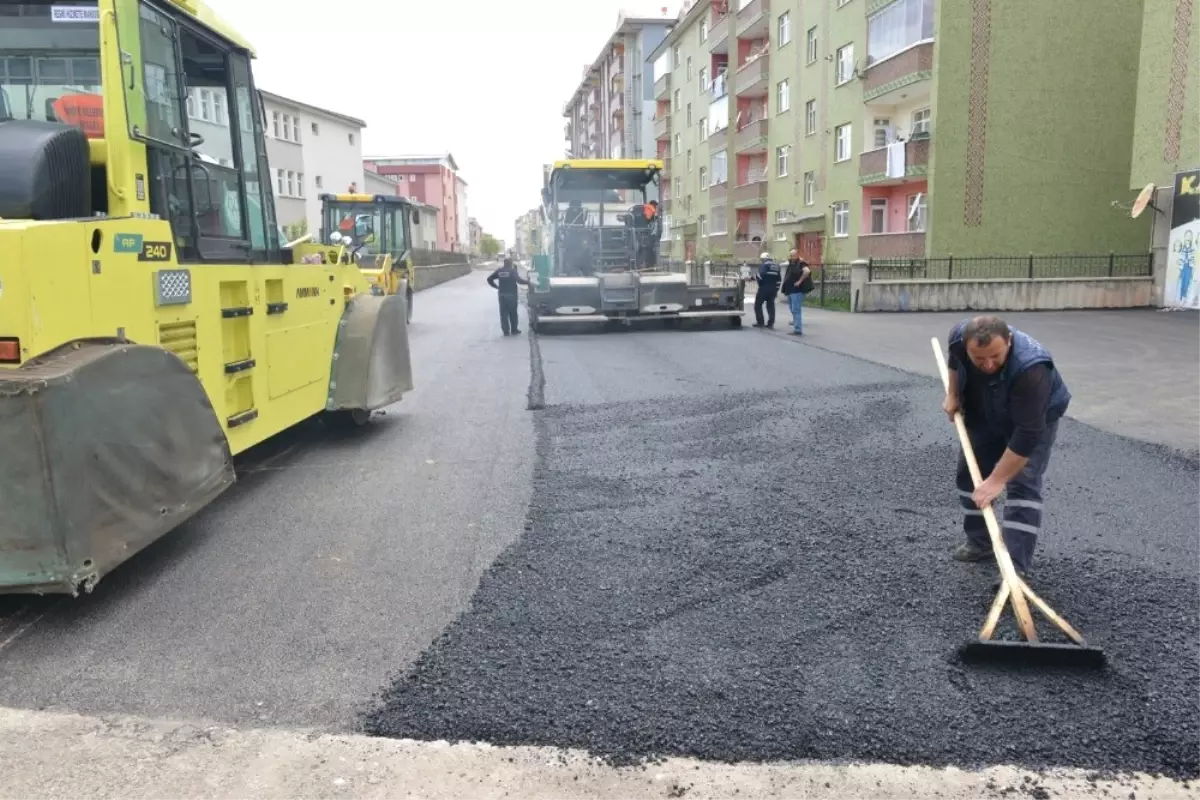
797,283
1012,397
768,287
505,279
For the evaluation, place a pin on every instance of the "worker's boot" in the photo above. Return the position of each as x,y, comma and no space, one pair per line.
970,552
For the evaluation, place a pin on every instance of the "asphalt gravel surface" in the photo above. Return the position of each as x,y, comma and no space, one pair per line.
738,548
333,561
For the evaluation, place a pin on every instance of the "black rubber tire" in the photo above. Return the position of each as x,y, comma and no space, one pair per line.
346,420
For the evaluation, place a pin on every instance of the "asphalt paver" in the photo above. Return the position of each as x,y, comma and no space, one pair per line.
738,549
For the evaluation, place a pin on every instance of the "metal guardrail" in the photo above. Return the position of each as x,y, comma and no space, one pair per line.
432,258
831,281
1029,267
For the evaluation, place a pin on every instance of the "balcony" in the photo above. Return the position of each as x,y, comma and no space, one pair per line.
872,165
753,78
718,34
616,85
749,246
718,193
752,194
884,80
909,244
752,138
718,139
616,104
662,87
754,20
662,128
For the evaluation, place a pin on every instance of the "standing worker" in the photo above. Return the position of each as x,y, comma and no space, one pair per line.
797,283
1012,396
505,280
768,286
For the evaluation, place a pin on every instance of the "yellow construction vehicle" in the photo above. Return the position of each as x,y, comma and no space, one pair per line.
152,325
375,233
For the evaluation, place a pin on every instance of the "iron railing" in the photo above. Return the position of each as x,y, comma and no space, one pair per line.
831,281
1030,267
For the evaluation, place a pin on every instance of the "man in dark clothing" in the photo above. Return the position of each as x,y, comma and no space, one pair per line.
768,278
797,283
1012,397
505,280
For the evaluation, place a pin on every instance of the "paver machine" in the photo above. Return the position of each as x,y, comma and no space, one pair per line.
601,265
376,234
152,326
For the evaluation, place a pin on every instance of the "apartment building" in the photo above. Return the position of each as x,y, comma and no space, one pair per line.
896,128
432,179
610,113
475,235
527,234
310,150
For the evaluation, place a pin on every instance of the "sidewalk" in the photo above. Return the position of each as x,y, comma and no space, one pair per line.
1133,372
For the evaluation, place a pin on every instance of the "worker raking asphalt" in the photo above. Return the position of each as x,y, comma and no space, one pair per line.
766,575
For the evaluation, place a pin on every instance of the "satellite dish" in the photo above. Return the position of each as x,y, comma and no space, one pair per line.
1143,200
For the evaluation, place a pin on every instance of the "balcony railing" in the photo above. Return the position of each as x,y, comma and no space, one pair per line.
662,86
906,244
752,194
718,34
903,69
718,193
662,128
872,165
753,77
718,139
753,19
752,138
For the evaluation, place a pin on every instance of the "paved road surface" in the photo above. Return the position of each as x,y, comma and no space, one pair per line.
724,545
295,597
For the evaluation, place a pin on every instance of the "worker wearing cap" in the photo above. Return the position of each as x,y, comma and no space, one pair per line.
768,286
505,280
1012,396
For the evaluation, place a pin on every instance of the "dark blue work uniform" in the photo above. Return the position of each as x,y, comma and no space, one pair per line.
505,279
1017,409
769,277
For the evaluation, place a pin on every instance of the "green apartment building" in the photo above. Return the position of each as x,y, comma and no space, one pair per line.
898,128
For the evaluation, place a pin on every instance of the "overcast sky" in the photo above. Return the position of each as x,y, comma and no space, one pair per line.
485,80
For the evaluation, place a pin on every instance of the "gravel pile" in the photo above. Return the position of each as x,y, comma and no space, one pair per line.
691,585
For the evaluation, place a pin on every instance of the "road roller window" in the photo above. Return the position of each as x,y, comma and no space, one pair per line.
50,64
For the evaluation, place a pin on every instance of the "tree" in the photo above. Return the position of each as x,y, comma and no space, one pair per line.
488,245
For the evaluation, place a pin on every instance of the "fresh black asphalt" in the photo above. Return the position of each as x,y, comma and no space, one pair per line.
737,548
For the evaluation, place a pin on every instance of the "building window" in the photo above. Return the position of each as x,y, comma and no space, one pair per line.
350,137
677,188
917,211
316,129
279,182
897,27
703,31
810,117
689,114
842,143
704,226
879,214
811,45
921,121
719,168
703,128
704,79
841,219
675,101
675,59
785,28
882,129
678,144
689,160
782,97
781,160
319,182
703,178
275,125
810,188
845,63
689,68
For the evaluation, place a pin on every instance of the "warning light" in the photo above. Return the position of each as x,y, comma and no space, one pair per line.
10,351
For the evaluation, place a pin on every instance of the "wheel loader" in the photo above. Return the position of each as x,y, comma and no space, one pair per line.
152,325
375,233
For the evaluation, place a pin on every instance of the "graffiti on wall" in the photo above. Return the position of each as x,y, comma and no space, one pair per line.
1182,289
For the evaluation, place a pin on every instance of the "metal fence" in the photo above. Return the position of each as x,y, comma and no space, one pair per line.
1030,267
431,258
831,281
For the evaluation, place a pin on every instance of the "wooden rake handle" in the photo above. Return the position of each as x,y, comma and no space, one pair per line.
1012,587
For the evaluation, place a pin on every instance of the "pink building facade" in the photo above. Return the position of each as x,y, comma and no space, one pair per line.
431,180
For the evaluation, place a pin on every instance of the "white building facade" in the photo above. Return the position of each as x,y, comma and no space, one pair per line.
464,221
310,150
